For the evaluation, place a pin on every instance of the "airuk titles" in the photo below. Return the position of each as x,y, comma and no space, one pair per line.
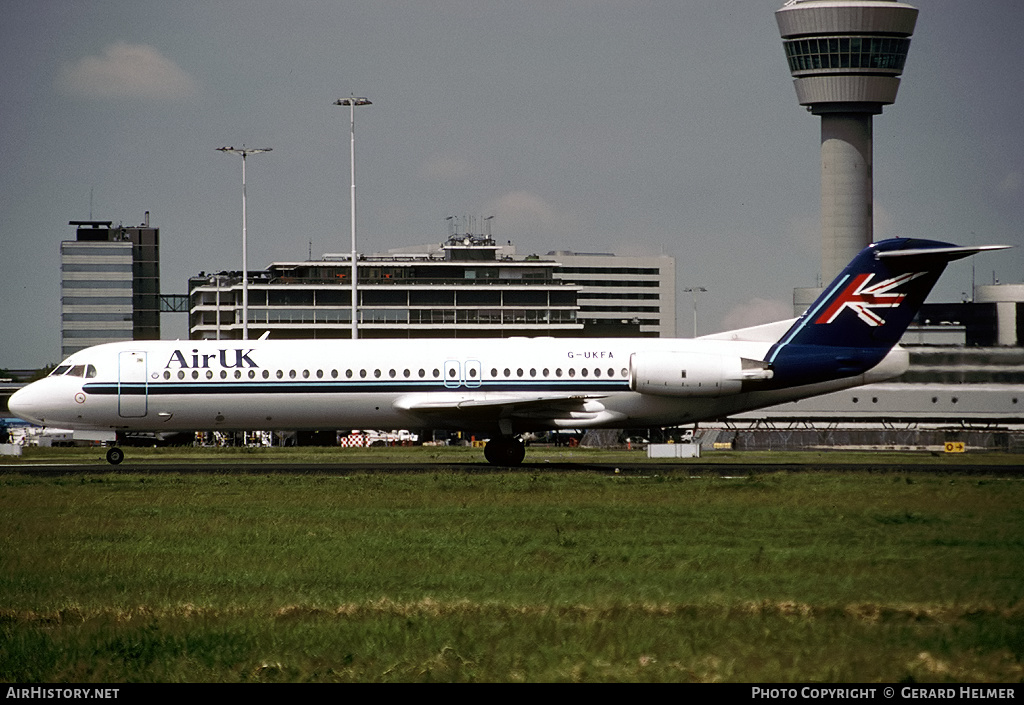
225,358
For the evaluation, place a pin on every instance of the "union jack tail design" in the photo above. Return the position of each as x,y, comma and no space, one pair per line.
861,298
864,312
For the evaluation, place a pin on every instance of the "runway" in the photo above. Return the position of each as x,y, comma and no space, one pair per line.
645,469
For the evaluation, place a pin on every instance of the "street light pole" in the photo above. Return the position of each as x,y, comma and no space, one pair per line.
245,248
694,290
352,102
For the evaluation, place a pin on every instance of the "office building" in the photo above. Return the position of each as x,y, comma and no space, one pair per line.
634,296
110,284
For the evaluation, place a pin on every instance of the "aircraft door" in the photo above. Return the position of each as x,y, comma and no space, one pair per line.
132,385
458,374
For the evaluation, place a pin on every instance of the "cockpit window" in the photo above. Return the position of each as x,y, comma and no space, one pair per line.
75,371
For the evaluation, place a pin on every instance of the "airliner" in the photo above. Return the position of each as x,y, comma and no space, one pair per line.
500,388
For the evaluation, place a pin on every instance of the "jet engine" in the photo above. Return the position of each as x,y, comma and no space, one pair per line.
683,374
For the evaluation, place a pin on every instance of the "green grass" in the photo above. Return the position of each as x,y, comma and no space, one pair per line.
456,576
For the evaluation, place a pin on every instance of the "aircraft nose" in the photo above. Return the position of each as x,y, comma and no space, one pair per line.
26,404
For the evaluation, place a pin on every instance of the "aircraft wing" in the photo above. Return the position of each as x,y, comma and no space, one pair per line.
503,410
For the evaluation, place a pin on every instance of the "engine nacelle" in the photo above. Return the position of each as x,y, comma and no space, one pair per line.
681,374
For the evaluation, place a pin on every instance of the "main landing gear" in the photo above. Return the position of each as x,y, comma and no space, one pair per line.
115,455
505,450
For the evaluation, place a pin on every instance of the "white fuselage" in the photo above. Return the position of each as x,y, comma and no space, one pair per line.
493,385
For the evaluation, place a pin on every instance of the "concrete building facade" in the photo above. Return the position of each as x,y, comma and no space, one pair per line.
110,285
622,293
467,286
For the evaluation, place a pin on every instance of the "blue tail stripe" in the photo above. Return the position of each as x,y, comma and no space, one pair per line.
808,316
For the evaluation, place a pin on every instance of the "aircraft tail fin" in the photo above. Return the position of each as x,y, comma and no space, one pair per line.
863,313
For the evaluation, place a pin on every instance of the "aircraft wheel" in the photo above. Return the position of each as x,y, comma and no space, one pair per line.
115,455
505,451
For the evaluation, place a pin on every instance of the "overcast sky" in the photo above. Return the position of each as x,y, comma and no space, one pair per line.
633,126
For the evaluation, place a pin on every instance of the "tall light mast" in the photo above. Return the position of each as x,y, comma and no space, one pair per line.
352,102
245,247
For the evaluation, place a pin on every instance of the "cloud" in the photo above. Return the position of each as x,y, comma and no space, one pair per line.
127,71
530,216
755,312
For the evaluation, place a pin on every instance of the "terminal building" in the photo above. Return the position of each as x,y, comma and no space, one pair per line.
465,287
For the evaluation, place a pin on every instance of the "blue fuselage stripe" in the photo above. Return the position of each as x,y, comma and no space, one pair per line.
349,387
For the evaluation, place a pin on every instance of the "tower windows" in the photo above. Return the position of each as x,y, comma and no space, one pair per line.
884,54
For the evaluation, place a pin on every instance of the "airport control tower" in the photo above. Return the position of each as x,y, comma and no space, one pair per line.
846,57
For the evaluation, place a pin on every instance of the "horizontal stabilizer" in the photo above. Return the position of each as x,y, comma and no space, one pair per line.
947,254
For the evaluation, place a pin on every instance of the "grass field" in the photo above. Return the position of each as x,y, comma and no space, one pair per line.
526,576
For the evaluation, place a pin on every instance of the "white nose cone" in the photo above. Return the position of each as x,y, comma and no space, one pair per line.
26,404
